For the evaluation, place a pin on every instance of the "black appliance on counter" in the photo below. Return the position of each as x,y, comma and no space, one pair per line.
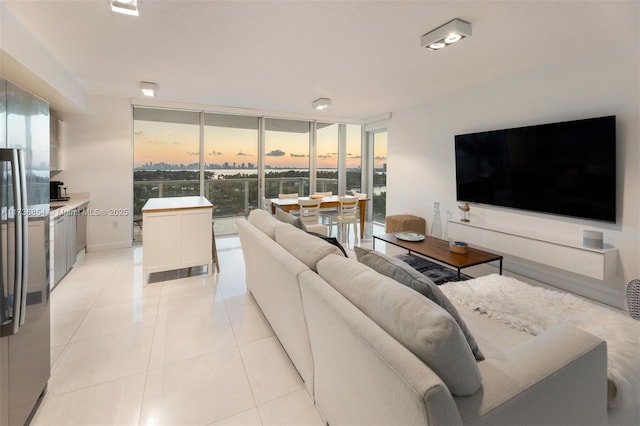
56,191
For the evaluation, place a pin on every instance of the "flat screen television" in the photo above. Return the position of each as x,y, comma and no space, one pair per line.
566,168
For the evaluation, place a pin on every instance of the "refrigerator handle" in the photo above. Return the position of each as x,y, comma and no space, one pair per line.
12,158
24,224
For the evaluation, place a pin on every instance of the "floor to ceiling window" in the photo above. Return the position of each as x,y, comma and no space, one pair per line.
353,158
379,180
231,164
220,156
166,155
327,135
286,161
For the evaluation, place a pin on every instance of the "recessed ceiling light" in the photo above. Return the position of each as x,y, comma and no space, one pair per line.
148,88
128,7
452,38
321,103
446,34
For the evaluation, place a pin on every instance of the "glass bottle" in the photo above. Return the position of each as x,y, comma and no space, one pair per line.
436,223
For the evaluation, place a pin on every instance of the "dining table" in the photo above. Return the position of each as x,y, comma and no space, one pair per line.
328,201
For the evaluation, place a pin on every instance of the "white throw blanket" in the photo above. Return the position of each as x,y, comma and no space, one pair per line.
535,309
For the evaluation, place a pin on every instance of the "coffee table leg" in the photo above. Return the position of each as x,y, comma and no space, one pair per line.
500,266
458,274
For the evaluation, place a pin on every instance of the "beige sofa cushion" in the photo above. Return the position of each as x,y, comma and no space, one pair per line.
420,325
285,217
262,220
305,247
405,274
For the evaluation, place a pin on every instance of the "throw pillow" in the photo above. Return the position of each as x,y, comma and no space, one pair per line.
331,240
285,217
417,323
404,274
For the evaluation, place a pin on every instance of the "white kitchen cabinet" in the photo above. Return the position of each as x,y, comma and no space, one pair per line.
63,244
70,234
59,260
177,234
67,236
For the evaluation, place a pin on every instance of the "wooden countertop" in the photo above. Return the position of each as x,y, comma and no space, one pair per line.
175,203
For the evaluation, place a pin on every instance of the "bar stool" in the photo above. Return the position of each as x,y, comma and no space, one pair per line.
214,250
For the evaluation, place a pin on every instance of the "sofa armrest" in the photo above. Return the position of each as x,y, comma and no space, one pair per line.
558,377
272,278
363,376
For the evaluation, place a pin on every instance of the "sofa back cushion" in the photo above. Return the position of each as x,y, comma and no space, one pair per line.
262,220
405,274
305,247
286,217
420,325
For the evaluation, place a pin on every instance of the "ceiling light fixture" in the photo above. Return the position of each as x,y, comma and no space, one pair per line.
148,88
128,7
321,103
446,34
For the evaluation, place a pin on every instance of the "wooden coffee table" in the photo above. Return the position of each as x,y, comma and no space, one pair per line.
437,249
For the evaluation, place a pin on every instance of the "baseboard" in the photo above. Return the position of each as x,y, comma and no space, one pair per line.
109,246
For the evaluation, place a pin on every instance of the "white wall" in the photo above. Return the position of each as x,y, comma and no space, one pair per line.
27,63
98,159
421,166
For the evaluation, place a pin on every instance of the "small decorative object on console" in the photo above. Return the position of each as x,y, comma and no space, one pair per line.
592,239
459,247
316,196
465,212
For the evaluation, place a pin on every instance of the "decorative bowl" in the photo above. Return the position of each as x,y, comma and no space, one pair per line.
409,236
316,196
458,247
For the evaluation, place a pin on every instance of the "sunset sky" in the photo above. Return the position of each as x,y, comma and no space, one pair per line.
175,143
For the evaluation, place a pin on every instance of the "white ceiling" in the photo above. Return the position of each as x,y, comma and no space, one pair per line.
280,55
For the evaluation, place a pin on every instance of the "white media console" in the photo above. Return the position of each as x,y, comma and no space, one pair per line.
569,256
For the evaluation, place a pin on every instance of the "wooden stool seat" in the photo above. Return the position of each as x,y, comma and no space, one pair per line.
405,223
214,250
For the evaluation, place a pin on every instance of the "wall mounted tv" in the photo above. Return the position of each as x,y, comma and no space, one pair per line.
566,168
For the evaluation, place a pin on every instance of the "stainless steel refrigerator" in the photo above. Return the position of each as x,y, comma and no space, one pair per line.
24,253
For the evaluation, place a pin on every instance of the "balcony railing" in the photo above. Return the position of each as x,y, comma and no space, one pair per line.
229,196
233,197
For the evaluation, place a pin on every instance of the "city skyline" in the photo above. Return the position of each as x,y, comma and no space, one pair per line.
225,166
176,143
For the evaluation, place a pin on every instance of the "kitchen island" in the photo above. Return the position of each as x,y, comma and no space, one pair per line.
177,234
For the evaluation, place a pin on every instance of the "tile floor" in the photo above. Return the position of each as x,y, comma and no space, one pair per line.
181,351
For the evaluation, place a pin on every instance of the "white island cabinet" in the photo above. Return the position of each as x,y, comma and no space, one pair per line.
177,234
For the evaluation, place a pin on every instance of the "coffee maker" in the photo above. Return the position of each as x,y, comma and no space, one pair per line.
56,191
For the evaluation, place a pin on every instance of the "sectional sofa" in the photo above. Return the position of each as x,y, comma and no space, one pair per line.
373,350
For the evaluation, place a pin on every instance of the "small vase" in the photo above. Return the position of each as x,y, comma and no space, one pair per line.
436,223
